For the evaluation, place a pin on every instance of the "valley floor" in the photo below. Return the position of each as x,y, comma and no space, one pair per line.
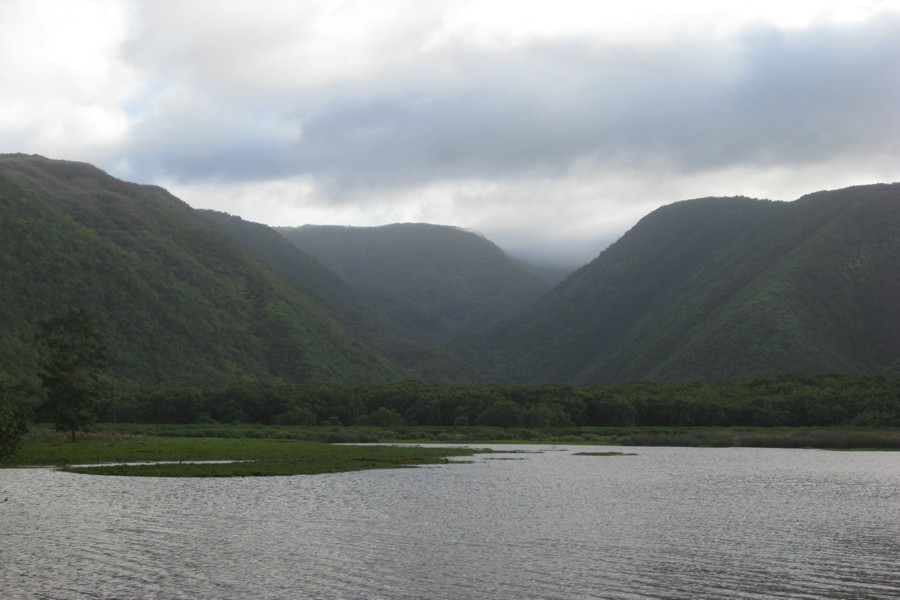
286,450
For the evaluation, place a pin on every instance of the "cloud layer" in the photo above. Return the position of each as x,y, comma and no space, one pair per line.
549,132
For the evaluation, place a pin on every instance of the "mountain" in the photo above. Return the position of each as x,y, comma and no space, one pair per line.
720,288
301,270
177,300
378,327
434,281
715,288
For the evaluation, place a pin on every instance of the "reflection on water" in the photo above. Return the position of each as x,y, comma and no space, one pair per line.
667,523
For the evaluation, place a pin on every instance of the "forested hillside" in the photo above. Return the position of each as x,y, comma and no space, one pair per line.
722,288
709,289
434,281
381,328
177,300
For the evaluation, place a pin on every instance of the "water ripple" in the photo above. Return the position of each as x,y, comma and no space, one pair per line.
668,523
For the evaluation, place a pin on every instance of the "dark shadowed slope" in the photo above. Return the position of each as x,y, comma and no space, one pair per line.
378,327
722,288
436,281
178,300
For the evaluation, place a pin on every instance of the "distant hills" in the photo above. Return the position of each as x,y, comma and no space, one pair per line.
720,288
437,281
378,319
715,288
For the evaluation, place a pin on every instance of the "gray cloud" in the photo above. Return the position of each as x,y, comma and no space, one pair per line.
763,97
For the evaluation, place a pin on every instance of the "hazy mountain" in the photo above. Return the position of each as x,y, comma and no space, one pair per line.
381,329
722,288
178,300
436,280
549,272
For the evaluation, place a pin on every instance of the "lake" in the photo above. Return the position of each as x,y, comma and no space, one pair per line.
538,523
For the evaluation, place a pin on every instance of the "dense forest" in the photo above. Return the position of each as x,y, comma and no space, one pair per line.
783,401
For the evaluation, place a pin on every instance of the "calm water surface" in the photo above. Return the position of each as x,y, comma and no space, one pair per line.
667,523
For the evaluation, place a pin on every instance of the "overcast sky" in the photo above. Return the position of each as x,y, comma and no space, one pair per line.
549,127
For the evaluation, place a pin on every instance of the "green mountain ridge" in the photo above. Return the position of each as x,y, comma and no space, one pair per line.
178,300
721,288
706,289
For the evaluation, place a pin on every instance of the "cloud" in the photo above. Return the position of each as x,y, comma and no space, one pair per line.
62,81
763,97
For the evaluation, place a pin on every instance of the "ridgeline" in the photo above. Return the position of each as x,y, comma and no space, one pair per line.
178,300
721,288
206,316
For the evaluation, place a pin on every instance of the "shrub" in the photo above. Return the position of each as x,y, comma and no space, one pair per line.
13,425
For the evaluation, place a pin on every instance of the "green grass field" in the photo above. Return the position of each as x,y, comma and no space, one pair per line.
257,456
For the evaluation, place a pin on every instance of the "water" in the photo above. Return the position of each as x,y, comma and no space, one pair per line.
667,523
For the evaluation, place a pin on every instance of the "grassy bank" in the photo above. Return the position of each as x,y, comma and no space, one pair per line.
284,450
770,437
829,439
773,437
257,456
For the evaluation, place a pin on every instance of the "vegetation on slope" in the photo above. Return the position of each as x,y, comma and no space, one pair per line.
176,299
379,327
722,288
208,318
435,281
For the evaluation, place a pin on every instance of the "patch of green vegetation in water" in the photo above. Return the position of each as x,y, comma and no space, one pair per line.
604,454
257,457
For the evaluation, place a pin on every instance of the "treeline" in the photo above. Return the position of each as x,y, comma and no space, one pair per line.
784,401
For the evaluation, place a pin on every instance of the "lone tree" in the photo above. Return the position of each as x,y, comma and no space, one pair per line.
73,357
13,425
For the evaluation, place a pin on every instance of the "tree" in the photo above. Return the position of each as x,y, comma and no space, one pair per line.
13,425
502,413
72,360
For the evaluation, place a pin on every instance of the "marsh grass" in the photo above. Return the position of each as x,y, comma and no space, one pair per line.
833,439
297,458
369,434
604,454
130,442
259,456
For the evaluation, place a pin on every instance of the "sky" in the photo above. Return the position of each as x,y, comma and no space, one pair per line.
550,128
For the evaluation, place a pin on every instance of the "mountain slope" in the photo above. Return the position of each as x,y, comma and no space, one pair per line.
434,281
373,324
722,288
299,268
711,288
178,300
